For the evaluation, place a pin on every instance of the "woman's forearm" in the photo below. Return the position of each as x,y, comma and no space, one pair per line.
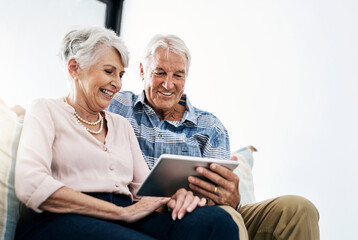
67,200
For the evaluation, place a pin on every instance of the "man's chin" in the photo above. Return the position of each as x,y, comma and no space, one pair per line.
165,106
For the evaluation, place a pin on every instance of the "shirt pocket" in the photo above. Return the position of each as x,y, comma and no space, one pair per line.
187,150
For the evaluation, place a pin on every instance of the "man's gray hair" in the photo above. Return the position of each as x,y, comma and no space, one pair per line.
82,44
171,43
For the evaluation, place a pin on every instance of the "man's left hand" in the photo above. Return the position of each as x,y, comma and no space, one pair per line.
225,187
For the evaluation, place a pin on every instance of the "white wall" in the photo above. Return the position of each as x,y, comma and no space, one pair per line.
282,76
31,32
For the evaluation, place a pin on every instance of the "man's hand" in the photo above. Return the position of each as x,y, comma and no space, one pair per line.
225,187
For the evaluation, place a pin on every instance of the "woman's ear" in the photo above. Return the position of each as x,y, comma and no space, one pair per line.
73,68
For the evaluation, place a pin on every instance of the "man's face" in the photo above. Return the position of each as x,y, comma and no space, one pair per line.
164,79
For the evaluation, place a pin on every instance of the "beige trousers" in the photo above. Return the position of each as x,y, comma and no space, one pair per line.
287,217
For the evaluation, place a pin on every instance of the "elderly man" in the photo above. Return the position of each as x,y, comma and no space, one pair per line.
165,122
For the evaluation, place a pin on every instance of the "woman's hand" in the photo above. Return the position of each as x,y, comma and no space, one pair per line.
183,202
143,208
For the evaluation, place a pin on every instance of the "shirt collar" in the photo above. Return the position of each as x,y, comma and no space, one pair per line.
189,114
192,117
140,98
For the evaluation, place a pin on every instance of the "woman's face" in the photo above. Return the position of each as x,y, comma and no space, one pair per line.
96,85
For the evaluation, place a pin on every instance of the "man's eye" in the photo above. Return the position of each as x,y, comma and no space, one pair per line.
178,75
159,73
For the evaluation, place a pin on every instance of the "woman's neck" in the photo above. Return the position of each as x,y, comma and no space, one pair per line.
82,108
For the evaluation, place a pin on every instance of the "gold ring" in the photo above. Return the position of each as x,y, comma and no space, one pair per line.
215,189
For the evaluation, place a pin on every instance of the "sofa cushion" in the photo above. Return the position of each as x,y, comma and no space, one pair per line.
10,129
244,171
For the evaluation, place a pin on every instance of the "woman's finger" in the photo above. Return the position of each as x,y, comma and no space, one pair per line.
171,204
202,202
193,204
189,198
179,197
144,207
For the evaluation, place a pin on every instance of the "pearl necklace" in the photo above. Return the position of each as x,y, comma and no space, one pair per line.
80,120
89,130
87,122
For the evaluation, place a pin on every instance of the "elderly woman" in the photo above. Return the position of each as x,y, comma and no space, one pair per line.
79,167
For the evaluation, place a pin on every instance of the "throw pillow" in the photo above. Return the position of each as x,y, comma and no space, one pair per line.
244,171
10,129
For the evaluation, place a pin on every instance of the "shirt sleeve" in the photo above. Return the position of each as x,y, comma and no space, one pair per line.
33,175
140,168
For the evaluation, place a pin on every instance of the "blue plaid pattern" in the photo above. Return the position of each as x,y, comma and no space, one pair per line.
198,134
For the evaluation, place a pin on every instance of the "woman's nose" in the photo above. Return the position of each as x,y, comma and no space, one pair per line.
117,83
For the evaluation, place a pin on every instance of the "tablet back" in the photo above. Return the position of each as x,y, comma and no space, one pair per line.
171,173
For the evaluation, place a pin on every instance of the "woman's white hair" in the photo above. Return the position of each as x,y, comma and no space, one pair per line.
82,44
171,43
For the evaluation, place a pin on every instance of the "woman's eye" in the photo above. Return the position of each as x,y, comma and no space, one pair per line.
108,71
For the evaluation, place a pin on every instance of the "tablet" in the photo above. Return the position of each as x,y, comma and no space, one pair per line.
171,173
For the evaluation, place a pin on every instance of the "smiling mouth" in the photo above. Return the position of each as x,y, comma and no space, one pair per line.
166,94
106,92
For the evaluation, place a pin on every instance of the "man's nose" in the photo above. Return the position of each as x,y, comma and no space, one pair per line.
168,81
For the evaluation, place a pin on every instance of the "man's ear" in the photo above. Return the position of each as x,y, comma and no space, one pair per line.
73,68
141,71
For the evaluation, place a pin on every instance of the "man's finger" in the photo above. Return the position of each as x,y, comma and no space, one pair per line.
205,193
210,187
223,172
215,177
234,158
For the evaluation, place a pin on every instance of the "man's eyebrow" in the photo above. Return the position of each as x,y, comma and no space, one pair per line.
159,69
